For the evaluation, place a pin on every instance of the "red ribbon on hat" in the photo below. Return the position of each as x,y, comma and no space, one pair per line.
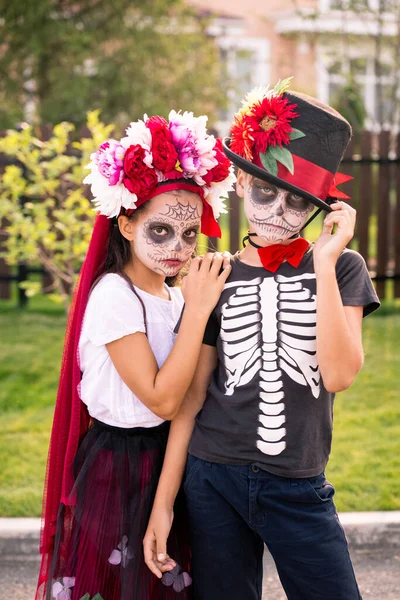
338,179
273,256
313,179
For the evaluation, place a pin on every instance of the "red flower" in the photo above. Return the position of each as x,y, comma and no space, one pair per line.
241,140
269,122
221,170
138,177
164,153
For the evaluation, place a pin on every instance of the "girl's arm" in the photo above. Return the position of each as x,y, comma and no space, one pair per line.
162,389
155,540
339,342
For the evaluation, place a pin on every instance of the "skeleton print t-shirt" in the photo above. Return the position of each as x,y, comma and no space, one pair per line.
266,403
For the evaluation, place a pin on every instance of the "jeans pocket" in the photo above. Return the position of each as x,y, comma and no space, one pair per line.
192,465
321,488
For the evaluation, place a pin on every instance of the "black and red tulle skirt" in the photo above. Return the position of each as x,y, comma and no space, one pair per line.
98,544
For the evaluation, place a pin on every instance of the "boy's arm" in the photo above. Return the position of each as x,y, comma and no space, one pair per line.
339,341
338,333
155,540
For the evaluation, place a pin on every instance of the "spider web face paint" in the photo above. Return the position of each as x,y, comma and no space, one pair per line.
274,214
166,236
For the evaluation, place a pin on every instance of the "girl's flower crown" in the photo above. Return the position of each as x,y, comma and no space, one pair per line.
126,173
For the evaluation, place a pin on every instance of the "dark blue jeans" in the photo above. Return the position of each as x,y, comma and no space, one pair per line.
233,510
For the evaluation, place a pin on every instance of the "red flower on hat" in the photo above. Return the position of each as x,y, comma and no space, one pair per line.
269,122
241,137
139,179
221,170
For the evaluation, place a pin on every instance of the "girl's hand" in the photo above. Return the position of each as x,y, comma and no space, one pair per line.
226,256
329,246
155,542
204,282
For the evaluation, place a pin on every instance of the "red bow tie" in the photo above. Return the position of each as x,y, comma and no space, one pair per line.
273,256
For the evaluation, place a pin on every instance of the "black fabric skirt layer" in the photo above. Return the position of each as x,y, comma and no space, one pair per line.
99,541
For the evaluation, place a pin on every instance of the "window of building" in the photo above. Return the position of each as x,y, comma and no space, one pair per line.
375,84
357,5
246,63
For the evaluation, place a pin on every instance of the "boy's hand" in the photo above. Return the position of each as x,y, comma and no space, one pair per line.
155,542
329,246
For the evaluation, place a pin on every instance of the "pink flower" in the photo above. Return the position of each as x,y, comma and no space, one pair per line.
194,147
177,578
122,555
62,591
109,159
183,141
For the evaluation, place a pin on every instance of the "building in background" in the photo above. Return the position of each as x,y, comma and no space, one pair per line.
330,46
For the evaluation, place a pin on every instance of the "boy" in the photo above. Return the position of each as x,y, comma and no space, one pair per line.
283,338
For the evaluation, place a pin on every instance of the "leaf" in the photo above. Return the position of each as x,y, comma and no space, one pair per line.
269,162
283,156
98,597
296,134
85,597
282,86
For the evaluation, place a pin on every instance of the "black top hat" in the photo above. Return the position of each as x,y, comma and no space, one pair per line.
292,141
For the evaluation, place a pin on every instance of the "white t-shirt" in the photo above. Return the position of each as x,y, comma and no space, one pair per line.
113,311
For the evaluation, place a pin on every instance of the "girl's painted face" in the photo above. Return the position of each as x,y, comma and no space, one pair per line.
273,213
166,232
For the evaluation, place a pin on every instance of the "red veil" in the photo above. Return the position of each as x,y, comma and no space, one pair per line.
71,419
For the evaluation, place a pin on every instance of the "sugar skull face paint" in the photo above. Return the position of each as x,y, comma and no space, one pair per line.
167,231
274,214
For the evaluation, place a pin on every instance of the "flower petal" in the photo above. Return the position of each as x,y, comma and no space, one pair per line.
168,578
187,579
57,588
115,557
179,583
69,582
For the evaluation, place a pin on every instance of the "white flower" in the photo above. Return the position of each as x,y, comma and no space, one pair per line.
109,199
216,193
138,133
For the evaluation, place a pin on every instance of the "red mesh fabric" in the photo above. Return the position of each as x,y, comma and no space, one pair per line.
71,418
98,540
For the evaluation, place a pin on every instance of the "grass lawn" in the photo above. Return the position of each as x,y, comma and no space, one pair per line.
365,463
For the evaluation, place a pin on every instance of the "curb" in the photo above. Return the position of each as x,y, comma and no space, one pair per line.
366,530
372,530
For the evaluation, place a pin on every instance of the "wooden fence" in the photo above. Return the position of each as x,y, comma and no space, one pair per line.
374,162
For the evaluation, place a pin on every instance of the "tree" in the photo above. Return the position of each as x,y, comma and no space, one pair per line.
349,103
379,50
46,215
60,58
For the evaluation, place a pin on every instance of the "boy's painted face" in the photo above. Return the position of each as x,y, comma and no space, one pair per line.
166,232
273,213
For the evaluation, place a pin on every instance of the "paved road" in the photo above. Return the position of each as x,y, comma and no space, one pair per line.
377,570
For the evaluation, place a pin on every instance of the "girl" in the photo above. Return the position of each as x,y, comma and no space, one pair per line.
123,375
